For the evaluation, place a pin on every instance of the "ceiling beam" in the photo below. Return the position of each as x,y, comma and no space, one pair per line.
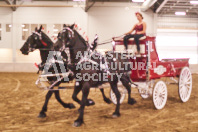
168,10
189,7
11,2
160,7
147,4
180,0
88,6
36,6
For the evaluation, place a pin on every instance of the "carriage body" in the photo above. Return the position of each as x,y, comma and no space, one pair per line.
147,65
146,68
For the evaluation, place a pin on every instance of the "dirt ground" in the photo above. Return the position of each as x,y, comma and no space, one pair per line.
21,102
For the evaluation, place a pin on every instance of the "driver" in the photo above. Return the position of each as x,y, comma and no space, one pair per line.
140,31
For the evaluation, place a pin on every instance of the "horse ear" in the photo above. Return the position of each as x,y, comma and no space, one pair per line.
72,26
36,29
41,27
64,25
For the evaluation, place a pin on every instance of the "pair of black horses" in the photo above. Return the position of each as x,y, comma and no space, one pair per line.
70,38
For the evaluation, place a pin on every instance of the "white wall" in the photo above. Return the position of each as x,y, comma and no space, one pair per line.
106,21
110,22
177,22
178,38
5,18
11,42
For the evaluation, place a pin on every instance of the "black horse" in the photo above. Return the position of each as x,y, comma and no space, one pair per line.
39,40
71,38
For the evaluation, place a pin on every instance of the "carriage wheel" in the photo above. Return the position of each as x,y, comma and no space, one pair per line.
113,96
185,84
160,95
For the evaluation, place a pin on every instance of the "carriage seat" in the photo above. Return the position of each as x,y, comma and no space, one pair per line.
142,38
131,39
131,45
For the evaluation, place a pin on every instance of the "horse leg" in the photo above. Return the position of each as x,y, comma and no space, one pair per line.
44,109
75,98
107,100
117,93
65,105
126,84
85,93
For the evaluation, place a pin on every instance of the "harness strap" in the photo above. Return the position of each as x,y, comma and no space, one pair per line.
45,44
66,50
40,37
87,57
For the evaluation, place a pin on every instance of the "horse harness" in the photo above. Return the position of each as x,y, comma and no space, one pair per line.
86,58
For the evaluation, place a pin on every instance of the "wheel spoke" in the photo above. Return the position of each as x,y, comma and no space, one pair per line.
188,82
161,101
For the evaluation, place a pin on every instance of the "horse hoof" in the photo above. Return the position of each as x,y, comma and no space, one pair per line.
116,115
132,101
90,102
42,115
77,124
108,101
71,106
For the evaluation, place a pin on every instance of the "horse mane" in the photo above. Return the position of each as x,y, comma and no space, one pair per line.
81,38
47,39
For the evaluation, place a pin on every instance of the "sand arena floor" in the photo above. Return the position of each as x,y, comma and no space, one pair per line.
21,102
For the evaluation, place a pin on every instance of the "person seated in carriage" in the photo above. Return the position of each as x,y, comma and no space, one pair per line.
140,31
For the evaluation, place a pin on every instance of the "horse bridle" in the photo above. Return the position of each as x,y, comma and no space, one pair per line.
32,48
71,36
66,48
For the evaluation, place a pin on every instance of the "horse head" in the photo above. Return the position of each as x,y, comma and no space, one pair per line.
65,37
34,41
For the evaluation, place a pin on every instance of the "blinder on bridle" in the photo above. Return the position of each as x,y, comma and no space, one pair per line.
70,32
33,47
36,36
62,36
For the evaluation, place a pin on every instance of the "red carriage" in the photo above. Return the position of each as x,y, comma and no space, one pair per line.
146,72
148,68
